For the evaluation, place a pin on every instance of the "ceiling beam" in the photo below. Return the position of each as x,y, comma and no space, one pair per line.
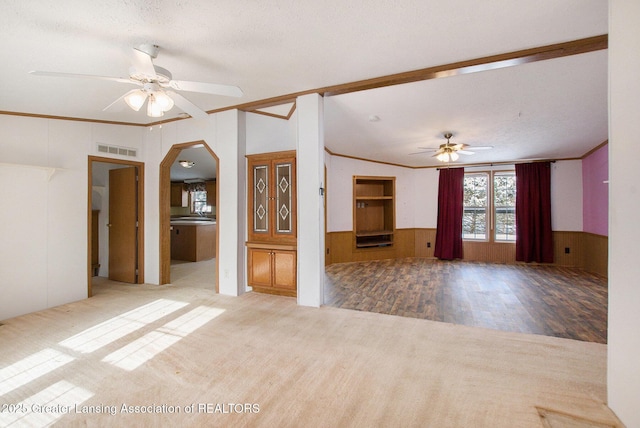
493,62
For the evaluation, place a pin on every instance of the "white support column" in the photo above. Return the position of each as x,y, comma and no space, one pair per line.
230,148
310,183
623,374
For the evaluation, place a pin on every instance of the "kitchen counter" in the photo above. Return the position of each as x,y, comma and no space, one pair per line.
193,240
191,222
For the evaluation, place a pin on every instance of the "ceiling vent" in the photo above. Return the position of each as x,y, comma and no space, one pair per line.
117,150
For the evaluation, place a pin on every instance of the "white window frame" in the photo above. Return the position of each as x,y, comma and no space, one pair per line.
490,217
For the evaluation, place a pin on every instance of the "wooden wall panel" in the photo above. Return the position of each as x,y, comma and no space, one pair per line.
489,252
574,242
596,254
424,237
586,251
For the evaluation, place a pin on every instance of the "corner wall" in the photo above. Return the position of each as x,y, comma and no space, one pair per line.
624,205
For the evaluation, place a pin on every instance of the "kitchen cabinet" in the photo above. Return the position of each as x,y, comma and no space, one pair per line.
272,256
193,241
211,193
179,195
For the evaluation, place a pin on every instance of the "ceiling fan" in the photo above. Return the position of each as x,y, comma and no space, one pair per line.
449,152
156,86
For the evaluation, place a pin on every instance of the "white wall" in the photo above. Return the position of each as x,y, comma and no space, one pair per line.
623,375
269,134
224,134
566,196
43,253
340,172
417,193
425,197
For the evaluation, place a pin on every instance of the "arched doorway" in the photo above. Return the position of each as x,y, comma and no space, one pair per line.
165,209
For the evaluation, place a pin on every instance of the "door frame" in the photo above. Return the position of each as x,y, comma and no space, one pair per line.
165,209
140,233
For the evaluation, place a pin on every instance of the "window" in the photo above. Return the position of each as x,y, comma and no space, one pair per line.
504,204
474,216
199,202
489,206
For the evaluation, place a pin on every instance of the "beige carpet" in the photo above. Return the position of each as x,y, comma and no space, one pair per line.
188,357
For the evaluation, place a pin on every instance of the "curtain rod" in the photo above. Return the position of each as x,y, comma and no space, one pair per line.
477,165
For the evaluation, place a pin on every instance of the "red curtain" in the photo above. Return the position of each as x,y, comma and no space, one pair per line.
450,199
534,239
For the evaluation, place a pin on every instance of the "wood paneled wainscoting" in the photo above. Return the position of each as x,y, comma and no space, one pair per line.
586,250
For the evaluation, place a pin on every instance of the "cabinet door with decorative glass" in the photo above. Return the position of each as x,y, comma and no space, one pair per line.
272,197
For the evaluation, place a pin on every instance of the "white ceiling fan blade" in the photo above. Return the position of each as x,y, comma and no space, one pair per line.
465,152
480,147
83,76
420,153
206,88
142,63
187,106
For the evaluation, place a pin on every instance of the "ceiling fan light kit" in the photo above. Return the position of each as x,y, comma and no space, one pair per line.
154,82
448,156
448,152
135,99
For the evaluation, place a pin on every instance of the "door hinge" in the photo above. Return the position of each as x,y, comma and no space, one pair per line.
137,225
136,272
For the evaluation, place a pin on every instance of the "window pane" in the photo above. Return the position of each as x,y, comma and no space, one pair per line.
283,198
199,199
504,196
474,217
260,199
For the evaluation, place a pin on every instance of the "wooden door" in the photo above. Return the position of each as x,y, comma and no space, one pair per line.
123,219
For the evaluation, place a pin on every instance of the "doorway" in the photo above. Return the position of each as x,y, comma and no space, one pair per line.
203,153
125,189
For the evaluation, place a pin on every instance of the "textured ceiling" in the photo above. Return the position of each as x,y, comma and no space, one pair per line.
554,108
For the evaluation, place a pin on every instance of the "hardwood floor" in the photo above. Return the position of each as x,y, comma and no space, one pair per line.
539,299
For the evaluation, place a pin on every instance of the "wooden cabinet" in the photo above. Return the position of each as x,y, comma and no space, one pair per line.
211,193
373,211
179,195
272,270
272,197
193,242
272,220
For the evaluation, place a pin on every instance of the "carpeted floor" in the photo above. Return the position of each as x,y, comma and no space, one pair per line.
167,356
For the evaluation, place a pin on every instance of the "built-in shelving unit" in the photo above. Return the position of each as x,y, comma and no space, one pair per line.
271,248
374,211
